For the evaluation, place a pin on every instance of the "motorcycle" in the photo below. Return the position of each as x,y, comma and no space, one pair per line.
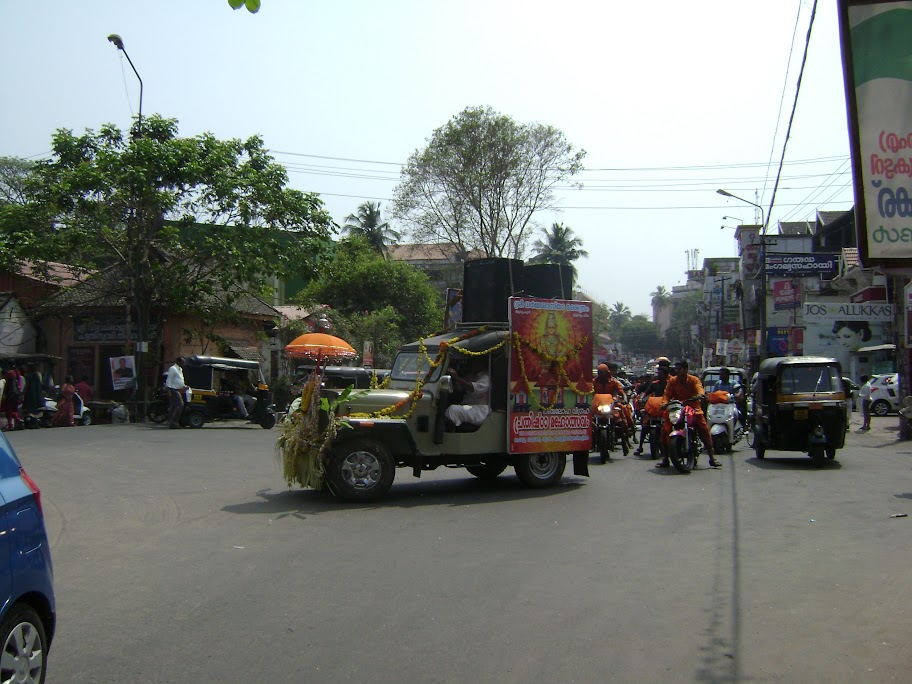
653,417
608,425
724,424
683,442
160,406
40,418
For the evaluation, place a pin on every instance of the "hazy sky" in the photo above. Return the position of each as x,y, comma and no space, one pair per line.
671,100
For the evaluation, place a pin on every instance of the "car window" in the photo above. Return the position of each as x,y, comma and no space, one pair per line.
809,379
409,366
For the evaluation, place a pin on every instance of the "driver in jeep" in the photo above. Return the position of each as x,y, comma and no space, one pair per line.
475,382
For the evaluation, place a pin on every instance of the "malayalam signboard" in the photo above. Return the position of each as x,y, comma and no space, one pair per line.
550,375
800,265
786,295
875,40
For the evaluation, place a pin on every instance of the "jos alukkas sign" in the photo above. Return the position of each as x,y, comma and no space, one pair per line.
847,311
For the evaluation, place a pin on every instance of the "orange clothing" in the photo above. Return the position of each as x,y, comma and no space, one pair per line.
685,389
609,386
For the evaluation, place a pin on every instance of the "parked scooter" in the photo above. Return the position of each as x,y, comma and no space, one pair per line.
82,414
724,424
683,442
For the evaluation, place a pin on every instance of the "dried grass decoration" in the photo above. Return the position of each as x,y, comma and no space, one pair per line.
302,444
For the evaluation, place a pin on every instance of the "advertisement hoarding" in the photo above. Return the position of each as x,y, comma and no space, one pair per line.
550,375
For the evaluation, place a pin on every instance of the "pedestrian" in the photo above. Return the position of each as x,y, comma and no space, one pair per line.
33,397
865,394
84,389
176,389
64,415
9,403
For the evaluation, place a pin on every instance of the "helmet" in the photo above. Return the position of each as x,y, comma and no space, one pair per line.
602,367
663,361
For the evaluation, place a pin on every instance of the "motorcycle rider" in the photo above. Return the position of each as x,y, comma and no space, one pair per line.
687,388
606,383
656,389
726,384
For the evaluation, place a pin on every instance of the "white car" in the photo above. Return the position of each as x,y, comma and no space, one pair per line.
885,394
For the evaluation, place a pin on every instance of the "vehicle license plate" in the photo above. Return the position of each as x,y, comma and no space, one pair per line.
801,414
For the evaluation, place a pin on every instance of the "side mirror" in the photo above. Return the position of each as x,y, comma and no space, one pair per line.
446,384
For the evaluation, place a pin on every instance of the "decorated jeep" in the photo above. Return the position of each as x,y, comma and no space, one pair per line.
539,366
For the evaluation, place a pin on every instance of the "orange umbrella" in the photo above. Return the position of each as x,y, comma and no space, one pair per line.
319,346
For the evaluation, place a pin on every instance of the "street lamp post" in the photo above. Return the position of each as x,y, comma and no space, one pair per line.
118,43
133,263
762,350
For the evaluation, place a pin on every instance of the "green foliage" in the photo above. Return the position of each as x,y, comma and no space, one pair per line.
639,336
684,315
618,315
253,6
368,224
559,247
388,302
182,220
660,297
481,179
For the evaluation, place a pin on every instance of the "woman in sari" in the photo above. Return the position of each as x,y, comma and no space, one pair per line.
64,416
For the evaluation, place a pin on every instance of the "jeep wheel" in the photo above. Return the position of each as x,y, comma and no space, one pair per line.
541,470
486,471
360,470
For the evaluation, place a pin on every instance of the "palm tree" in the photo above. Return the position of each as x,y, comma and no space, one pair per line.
367,224
618,315
559,247
661,297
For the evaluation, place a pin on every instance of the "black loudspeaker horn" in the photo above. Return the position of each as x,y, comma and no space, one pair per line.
549,281
487,284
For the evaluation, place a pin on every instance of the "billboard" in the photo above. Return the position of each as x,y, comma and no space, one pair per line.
786,295
800,265
878,83
550,375
837,327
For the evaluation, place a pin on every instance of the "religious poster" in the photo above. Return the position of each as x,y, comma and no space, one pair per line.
550,375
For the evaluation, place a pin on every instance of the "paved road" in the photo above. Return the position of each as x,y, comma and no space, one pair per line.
181,557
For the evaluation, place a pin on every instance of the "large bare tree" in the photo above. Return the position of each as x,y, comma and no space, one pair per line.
481,179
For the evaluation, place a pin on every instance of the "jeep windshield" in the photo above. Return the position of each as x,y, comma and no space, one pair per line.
409,366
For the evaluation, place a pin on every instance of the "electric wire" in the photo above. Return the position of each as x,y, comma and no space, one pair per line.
788,68
788,132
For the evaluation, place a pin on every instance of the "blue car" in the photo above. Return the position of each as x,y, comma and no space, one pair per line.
27,615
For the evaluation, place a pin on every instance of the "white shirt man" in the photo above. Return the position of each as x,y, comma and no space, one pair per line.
174,382
475,405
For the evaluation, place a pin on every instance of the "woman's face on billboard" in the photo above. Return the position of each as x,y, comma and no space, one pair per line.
849,339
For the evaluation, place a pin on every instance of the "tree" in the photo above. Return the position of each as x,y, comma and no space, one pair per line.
685,315
617,316
14,174
389,302
171,225
660,297
481,179
559,247
253,6
367,224
639,335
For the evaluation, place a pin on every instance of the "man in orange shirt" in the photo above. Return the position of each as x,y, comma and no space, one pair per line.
683,386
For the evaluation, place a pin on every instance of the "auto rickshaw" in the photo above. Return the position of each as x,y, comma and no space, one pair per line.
800,405
219,386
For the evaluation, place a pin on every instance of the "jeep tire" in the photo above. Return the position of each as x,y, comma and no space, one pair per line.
541,470
360,470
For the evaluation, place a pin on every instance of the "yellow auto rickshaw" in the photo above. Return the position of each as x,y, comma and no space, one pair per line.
800,405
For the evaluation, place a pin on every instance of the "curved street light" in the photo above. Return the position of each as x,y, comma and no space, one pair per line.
118,43
762,350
